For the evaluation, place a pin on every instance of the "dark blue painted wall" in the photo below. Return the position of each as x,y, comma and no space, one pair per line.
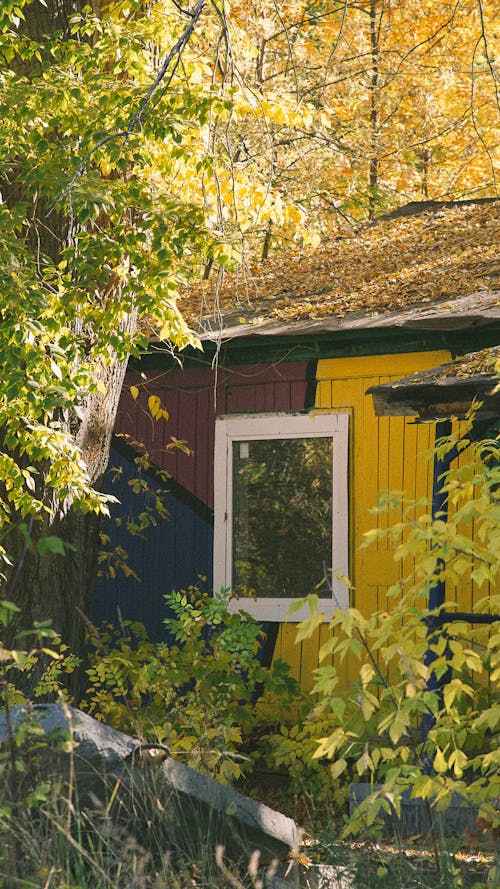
172,555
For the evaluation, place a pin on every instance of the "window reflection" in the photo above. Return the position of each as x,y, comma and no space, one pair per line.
282,516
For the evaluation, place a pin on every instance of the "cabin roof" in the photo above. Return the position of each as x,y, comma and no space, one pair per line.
446,390
429,266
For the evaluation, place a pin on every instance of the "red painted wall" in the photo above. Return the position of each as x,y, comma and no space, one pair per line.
193,397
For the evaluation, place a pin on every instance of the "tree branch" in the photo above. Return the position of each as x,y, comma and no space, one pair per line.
174,53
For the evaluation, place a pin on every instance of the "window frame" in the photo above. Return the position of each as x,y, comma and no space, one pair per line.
255,427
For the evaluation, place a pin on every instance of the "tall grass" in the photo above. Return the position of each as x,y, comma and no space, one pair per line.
49,839
127,835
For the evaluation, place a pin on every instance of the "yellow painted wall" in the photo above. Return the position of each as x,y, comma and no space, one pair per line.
386,453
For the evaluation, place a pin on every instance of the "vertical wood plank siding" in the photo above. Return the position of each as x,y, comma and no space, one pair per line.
386,453
193,398
170,555
180,549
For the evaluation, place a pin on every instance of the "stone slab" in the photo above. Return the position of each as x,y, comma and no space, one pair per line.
258,826
95,743
184,803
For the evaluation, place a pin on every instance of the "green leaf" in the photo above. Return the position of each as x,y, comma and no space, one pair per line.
338,767
51,545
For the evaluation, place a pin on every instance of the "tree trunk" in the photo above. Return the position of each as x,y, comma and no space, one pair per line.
47,585
55,587
60,588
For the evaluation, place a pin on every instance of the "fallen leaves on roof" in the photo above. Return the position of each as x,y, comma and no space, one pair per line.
481,365
387,266
486,362
447,390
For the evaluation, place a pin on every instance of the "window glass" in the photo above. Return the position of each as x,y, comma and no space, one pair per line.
282,517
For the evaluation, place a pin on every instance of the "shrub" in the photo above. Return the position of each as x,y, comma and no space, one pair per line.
425,711
38,667
196,693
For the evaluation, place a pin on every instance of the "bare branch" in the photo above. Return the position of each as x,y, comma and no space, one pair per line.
473,112
487,56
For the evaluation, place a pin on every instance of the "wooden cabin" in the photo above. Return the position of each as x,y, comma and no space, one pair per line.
286,453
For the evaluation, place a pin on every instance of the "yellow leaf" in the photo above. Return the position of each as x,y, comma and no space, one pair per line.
134,392
154,405
458,760
338,767
440,761
303,859
366,673
314,240
106,167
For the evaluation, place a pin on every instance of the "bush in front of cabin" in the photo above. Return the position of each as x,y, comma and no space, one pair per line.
406,722
424,714
195,694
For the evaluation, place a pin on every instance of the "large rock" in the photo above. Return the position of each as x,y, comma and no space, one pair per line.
153,797
95,744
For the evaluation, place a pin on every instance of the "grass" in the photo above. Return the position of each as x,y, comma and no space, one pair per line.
52,839
421,862
53,844
131,837
382,865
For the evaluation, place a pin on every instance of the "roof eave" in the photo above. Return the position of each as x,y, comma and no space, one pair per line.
438,399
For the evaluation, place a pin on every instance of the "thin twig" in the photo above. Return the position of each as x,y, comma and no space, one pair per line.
175,52
27,544
487,56
475,123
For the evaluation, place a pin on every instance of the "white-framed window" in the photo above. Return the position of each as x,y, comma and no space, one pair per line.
281,511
